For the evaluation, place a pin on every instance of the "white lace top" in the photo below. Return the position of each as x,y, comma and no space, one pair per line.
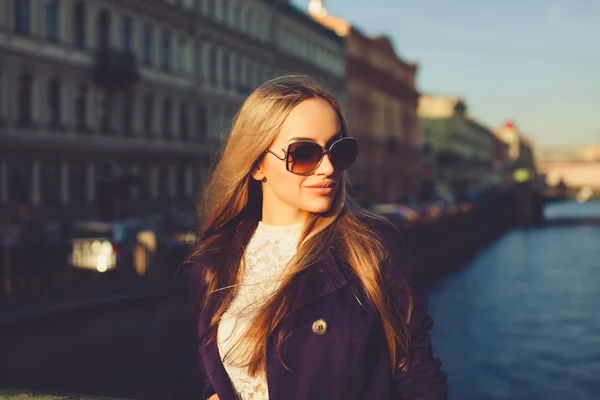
267,255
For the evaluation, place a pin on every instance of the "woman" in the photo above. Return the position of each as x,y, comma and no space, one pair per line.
302,294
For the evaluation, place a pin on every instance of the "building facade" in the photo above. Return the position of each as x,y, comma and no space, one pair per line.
521,150
118,108
381,111
459,149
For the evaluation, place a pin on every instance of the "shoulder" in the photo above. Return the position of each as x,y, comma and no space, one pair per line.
398,263
388,234
193,271
380,226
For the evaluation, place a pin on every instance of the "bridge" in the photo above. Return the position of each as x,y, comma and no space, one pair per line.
576,174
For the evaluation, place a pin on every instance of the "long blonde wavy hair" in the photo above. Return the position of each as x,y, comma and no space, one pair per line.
231,208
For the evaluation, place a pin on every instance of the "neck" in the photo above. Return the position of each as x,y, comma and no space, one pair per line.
278,217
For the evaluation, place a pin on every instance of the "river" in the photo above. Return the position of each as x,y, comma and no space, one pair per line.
522,319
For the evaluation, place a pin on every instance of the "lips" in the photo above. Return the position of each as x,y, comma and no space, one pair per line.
322,185
322,188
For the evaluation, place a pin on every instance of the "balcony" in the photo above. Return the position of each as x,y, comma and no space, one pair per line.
115,69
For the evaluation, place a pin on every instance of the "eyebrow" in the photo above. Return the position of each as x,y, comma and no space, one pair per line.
297,138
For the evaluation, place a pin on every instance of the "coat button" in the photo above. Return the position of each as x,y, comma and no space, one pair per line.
319,327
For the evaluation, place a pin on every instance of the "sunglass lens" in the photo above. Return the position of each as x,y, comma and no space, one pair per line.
343,153
303,157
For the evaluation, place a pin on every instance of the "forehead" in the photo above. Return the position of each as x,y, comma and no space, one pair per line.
312,119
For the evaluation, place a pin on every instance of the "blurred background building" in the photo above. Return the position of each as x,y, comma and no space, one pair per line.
459,150
521,151
117,108
381,111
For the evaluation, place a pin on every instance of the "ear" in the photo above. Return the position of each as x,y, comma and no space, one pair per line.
258,172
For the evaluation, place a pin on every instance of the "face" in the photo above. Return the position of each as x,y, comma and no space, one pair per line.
289,198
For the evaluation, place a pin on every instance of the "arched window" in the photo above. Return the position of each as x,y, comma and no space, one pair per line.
103,29
52,19
23,17
126,33
79,22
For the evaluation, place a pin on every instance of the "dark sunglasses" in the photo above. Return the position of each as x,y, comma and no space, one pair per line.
304,156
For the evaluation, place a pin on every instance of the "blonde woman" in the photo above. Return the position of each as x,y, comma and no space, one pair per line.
302,294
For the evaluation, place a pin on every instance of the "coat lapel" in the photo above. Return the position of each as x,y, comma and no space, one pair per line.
318,280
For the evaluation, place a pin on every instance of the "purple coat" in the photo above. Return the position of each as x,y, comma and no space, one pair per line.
350,361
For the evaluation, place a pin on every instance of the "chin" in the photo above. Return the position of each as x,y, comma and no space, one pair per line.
319,206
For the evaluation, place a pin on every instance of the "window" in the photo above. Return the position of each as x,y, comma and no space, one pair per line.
212,67
1,99
201,123
181,181
167,110
237,16
165,50
189,181
225,11
105,112
226,71
248,73
52,12
237,73
77,181
126,34
79,24
25,85
23,17
249,22
103,30
256,75
81,107
184,122
147,44
182,58
20,177
50,187
211,8
127,117
148,113
54,103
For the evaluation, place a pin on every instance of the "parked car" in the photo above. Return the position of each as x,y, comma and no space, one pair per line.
105,246
395,212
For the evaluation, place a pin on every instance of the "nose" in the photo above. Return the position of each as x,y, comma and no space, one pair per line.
325,167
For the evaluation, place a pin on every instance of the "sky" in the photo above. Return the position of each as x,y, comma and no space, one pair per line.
535,62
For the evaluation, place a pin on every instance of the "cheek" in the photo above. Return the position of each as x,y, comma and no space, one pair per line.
280,179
